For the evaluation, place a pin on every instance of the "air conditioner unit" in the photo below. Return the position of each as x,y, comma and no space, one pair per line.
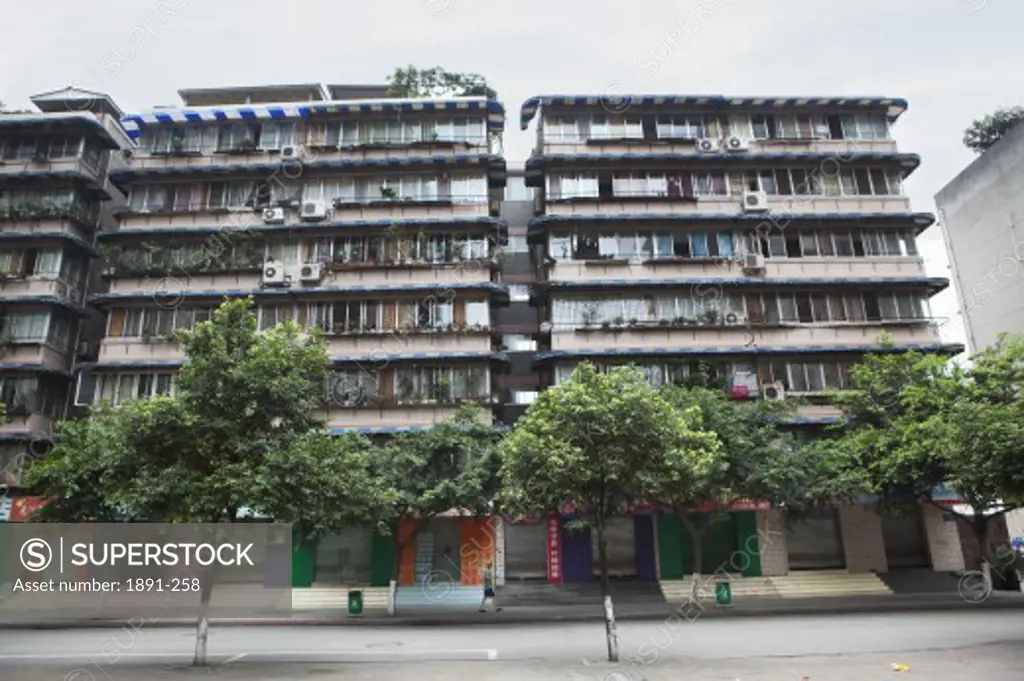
273,274
773,391
291,151
311,272
273,216
733,319
313,210
735,143
753,262
707,146
755,202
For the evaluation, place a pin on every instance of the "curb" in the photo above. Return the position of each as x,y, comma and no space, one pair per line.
522,618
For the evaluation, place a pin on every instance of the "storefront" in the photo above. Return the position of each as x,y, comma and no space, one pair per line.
526,549
815,542
906,545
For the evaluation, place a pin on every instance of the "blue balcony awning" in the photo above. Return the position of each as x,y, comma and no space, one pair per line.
619,103
368,361
165,290
934,284
921,220
493,109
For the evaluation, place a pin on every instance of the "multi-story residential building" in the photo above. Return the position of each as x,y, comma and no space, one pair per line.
55,196
768,241
372,218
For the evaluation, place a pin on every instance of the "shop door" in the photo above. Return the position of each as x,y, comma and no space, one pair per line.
577,558
905,543
815,543
620,545
526,551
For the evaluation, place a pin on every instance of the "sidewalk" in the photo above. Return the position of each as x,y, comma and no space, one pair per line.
767,607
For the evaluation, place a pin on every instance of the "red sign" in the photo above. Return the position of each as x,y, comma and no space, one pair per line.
554,549
23,507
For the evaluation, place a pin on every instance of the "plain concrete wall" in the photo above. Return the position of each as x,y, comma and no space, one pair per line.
982,216
862,539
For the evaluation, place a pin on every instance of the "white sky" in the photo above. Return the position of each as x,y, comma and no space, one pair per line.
954,60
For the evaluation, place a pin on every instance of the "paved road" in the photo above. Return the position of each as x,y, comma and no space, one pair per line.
651,644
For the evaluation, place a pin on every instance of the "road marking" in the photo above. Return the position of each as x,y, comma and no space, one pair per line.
489,653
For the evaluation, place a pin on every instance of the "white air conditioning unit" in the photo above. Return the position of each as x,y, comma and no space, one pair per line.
735,143
734,319
753,262
274,274
313,211
755,202
311,272
291,152
707,146
273,216
773,391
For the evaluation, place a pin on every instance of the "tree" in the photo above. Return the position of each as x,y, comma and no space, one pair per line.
757,459
590,442
410,82
240,431
450,466
915,424
986,131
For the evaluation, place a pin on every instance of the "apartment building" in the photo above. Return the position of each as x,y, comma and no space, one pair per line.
55,196
768,241
373,218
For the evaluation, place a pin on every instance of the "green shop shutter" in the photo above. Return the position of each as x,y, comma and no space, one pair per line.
303,562
749,543
382,559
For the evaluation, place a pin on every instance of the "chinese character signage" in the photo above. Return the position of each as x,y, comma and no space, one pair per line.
554,550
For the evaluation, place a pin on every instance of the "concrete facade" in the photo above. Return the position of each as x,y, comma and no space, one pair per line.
862,539
944,544
772,543
982,216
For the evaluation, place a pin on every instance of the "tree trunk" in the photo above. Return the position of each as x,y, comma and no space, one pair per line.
611,634
979,528
203,624
697,538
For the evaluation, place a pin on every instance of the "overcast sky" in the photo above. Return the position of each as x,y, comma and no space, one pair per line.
954,60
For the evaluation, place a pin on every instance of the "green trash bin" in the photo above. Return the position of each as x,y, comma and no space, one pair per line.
355,603
723,594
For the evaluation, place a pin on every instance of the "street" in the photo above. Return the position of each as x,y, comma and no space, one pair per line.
947,645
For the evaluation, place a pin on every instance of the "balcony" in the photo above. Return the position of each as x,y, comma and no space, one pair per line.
391,419
38,353
44,168
50,217
36,286
698,335
22,421
698,268
374,344
674,146
779,207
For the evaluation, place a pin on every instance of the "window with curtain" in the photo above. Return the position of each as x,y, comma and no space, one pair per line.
27,326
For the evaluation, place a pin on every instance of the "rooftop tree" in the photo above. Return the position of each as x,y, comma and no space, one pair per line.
592,441
986,131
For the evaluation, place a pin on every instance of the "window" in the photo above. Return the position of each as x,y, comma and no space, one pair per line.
786,127
571,186
275,315
639,184
277,135
519,292
761,127
478,313
681,127
616,127
119,388
563,129
238,137
441,384
24,326
524,396
352,387
518,343
358,315
709,184
430,314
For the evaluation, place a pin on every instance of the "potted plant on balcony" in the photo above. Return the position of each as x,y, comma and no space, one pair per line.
589,316
664,322
618,322
710,317
634,323
387,193
679,322
442,390
405,389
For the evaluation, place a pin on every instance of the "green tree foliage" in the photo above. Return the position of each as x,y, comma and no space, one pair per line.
756,459
241,431
450,466
915,423
591,441
985,132
411,82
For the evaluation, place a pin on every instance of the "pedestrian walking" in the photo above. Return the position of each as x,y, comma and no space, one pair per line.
488,589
